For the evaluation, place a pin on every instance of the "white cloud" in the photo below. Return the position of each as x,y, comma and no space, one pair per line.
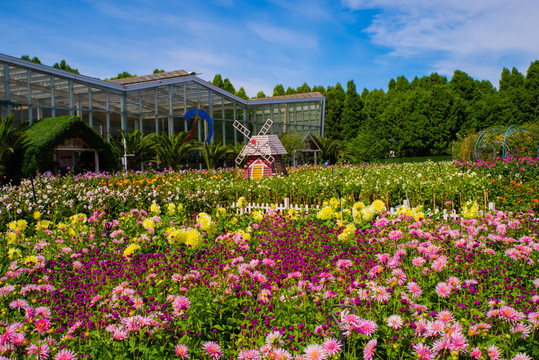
477,34
283,36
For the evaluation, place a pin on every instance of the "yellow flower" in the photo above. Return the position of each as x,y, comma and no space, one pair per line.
221,211
348,233
11,238
148,224
325,214
204,220
131,249
234,221
368,213
242,203
358,206
176,236
179,208
470,210
193,239
37,215
78,218
61,226
13,253
257,216
171,209
292,212
155,209
334,203
379,206
29,259
43,224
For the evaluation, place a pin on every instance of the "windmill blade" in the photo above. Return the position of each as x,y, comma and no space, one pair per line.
264,154
239,159
266,127
242,129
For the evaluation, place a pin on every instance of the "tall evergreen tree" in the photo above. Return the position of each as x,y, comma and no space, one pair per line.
278,90
217,81
64,66
352,117
303,89
241,93
227,86
334,109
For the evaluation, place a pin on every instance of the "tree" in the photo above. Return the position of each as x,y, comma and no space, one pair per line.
213,153
260,95
124,75
241,93
334,108
352,116
235,150
157,71
11,141
333,151
217,81
278,90
290,91
34,59
64,66
171,150
227,86
137,146
303,89
320,89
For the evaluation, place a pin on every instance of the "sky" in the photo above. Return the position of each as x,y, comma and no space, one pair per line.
259,44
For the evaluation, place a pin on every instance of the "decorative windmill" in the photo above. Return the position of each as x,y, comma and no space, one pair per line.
263,152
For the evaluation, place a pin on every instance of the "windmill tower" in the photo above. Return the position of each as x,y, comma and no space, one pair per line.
263,152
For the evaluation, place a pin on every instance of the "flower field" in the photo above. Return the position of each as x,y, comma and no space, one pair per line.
158,266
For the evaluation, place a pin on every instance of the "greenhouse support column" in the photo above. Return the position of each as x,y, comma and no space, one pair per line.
124,117
185,105
31,112
170,111
96,161
107,106
90,105
210,99
53,100
322,118
6,88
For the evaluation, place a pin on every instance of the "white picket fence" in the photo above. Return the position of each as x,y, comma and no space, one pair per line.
250,207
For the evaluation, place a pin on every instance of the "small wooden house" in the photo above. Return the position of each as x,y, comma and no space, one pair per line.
264,157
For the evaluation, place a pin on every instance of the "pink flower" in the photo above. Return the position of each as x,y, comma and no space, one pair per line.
119,334
445,316
476,353
423,351
368,351
282,354
332,346
367,327
521,356
315,352
493,352
65,355
42,325
182,351
212,349
394,321
41,351
265,296
443,290
249,355
414,289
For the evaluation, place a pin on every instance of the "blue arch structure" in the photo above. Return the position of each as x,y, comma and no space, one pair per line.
201,113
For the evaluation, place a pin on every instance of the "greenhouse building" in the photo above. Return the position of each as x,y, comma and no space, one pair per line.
152,103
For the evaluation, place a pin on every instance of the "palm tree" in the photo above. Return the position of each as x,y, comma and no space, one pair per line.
11,140
137,146
213,153
171,150
334,151
235,150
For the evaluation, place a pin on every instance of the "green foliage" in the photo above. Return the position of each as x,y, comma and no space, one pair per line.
171,150
260,95
334,151
123,75
46,134
227,86
213,153
217,81
137,146
334,108
35,59
352,116
157,71
11,141
64,66
278,90
241,93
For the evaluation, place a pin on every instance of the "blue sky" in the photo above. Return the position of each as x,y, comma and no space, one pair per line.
258,44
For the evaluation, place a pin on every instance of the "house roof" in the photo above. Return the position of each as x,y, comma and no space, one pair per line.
264,145
153,77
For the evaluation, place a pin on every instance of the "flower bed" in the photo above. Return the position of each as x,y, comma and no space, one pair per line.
163,282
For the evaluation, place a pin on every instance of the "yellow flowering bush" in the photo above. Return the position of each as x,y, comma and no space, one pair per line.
193,239
325,213
470,210
155,209
348,233
257,216
131,249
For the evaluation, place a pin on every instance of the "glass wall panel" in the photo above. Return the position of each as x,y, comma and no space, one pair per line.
205,99
100,123
163,124
41,89
85,116
18,85
218,131
148,101
163,94
192,96
133,123
179,124
44,113
81,97
62,112
61,93
115,101
217,107
229,109
229,133
2,82
178,99
20,115
148,125
115,124
99,99
132,102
